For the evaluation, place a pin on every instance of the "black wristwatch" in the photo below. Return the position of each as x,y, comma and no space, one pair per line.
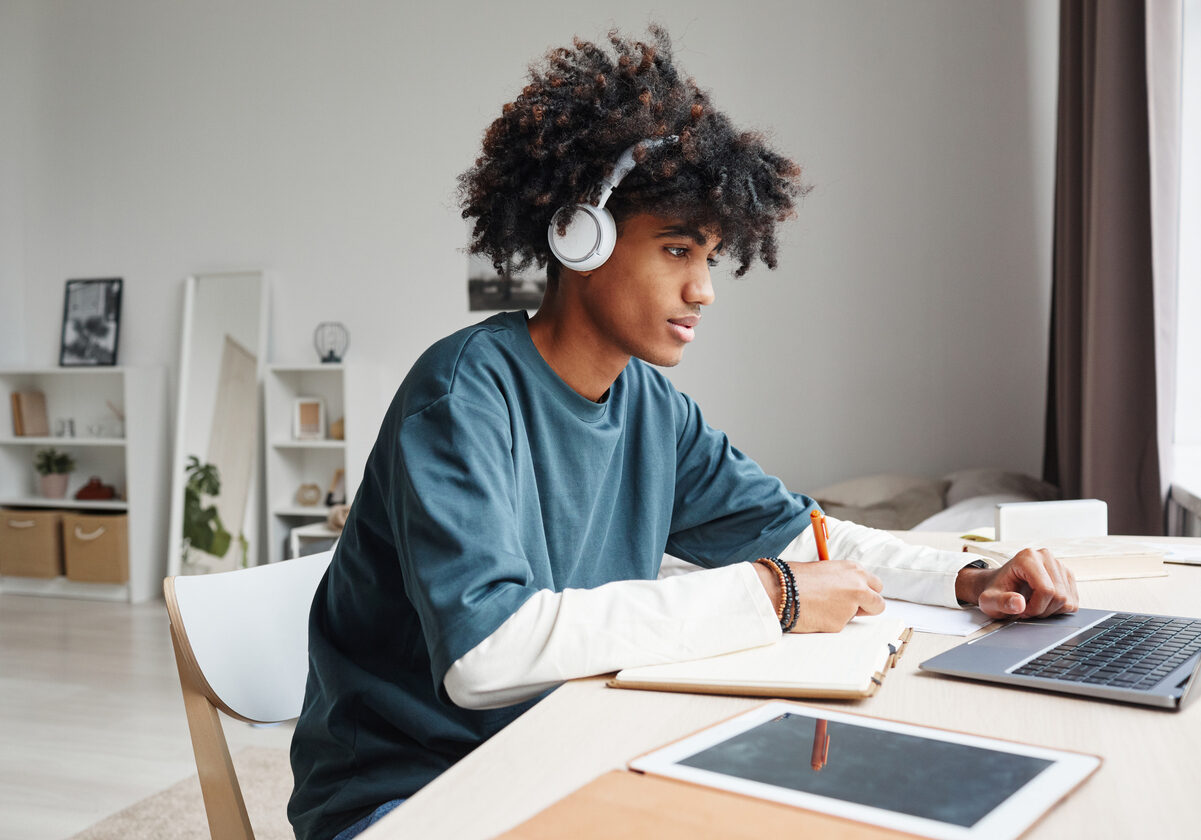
975,564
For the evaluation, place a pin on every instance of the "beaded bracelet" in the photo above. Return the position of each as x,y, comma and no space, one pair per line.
793,612
783,587
788,612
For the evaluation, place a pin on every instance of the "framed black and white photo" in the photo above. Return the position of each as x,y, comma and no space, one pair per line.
91,323
511,289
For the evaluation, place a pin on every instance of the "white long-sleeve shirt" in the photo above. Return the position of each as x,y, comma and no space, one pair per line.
557,636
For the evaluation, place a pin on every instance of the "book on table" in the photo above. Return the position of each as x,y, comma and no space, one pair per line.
1088,558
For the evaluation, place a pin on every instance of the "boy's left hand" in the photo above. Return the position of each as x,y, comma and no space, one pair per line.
1031,585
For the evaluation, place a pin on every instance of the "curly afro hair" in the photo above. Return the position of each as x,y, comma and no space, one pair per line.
553,146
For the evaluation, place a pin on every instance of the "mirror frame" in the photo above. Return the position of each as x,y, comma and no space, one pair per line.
179,454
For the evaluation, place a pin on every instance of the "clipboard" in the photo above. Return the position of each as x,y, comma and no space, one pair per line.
848,665
622,803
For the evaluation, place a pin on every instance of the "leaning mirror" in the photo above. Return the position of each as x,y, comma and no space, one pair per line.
215,486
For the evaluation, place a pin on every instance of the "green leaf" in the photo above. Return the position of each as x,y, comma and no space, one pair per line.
220,543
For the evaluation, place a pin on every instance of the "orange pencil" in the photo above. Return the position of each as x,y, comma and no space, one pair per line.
820,533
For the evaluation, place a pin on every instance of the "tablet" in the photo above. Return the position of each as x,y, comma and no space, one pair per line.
930,782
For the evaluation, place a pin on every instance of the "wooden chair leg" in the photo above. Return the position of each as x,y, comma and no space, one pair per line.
223,801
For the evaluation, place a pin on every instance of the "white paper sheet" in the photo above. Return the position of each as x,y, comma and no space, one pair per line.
1177,553
931,619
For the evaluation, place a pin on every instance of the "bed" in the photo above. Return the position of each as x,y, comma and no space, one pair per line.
959,501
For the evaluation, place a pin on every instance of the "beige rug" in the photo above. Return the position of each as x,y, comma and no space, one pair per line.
177,813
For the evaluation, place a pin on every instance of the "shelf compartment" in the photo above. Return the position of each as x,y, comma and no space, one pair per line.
294,466
89,397
64,504
60,587
317,443
18,479
316,512
61,442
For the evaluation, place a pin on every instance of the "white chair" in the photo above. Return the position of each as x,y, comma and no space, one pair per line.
241,646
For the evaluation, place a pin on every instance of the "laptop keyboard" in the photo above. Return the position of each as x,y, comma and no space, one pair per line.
1123,651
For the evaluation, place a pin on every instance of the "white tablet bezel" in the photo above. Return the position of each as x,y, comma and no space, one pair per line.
1006,821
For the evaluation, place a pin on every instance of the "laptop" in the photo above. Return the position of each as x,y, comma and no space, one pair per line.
1149,660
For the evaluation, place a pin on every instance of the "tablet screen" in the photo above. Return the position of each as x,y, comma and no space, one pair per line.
938,780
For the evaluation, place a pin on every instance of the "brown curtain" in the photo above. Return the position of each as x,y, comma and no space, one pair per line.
1101,435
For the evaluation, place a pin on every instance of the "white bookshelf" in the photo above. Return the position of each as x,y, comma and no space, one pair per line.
355,393
130,455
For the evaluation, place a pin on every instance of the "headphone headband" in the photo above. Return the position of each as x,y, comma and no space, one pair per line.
625,162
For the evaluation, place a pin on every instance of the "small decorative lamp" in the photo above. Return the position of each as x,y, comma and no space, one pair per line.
331,340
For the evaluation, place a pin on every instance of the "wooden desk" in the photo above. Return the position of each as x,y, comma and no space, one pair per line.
1148,786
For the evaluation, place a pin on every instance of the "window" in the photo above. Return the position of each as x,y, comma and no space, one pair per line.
1188,333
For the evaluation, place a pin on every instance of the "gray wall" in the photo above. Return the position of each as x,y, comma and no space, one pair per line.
905,329
15,111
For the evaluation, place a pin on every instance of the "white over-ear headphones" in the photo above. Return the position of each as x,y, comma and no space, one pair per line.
589,237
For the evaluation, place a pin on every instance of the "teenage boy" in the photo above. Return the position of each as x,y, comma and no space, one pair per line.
530,474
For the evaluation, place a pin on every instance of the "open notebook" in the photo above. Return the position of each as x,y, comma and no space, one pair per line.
848,664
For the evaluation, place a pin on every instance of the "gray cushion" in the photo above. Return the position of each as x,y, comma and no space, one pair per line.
965,484
900,512
870,490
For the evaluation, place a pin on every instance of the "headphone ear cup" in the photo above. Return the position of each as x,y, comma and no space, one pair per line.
588,239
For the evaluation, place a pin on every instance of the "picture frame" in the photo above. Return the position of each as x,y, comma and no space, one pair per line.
308,418
91,323
513,288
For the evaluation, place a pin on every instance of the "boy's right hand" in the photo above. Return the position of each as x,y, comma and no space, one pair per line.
832,592
829,594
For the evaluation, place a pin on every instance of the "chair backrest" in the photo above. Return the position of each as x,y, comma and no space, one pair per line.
246,634
241,646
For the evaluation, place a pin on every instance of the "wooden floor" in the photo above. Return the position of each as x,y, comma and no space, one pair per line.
91,718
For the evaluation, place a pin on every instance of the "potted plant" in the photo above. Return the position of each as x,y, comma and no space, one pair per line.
203,530
54,467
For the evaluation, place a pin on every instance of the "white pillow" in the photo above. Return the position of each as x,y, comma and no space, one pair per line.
968,515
